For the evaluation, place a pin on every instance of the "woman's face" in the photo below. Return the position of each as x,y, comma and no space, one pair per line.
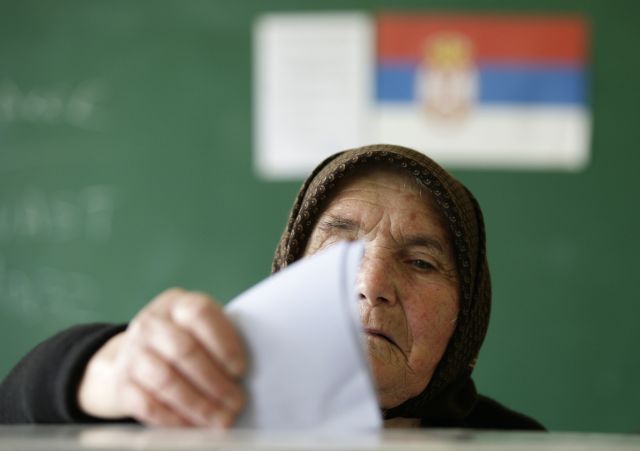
407,282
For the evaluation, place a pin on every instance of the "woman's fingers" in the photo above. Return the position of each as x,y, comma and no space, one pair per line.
192,362
184,343
205,320
166,386
176,364
146,408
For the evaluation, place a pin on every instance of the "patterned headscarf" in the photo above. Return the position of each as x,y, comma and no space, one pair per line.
450,394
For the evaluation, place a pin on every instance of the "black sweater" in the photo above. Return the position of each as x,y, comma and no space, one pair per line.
42,388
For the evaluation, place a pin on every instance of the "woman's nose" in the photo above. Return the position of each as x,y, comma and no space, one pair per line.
375,281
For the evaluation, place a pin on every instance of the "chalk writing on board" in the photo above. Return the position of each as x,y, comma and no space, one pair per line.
76,105
46,292
35,214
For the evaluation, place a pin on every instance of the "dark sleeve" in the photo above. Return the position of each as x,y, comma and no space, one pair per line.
42,388
489,414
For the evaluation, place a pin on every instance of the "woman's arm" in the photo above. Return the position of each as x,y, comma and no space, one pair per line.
42,388
177,363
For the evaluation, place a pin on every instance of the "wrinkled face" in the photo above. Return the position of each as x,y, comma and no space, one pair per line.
407,282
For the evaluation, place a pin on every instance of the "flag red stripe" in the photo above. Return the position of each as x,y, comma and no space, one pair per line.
527,38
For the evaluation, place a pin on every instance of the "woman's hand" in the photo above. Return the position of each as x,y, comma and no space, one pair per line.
177,364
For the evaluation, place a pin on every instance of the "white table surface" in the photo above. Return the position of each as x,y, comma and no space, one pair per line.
118,437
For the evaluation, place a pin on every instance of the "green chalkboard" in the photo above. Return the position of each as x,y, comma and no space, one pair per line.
126,167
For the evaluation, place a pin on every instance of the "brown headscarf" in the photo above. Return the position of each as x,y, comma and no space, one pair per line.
450,395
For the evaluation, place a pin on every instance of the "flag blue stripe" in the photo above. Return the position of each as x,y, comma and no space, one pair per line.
499,83
396,82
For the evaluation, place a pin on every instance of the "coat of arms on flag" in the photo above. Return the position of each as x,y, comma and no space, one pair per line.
484,91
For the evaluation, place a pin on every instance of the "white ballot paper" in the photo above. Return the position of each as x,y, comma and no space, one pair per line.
308,367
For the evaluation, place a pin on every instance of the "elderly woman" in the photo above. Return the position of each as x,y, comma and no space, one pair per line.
424,294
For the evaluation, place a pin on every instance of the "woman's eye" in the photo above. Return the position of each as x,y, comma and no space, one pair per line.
422,264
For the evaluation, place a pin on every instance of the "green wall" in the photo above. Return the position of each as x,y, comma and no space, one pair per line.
125,168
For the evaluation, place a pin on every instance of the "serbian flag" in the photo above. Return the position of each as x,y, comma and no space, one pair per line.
485,90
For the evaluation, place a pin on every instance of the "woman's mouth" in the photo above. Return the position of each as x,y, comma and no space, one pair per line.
376,333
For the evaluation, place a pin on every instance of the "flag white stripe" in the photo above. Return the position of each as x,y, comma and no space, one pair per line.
507,136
